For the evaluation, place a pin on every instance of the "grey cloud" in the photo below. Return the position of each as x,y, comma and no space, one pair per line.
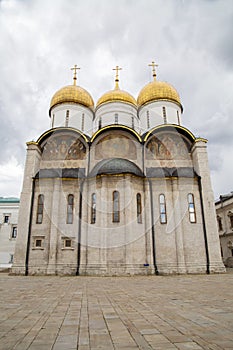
41,40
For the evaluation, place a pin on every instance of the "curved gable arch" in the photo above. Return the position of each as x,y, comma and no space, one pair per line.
116,127
170,127
57,131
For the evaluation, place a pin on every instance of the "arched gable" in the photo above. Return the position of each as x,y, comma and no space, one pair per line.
168,143
63,144
172,128
116,127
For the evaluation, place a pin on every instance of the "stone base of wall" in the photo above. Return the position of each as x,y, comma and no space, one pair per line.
117,270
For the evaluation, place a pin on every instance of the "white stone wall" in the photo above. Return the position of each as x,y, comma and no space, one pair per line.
115,248
7,242
224,211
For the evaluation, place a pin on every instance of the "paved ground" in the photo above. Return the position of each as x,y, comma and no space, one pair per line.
61,313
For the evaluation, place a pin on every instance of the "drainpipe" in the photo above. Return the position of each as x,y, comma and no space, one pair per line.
204,227
30,227
79,226
152,228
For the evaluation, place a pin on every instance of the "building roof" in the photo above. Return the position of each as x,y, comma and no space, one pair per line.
115,166
224,197
9,200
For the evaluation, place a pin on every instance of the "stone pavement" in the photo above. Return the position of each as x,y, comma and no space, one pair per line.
61,313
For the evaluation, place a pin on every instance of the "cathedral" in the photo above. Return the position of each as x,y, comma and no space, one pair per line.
117,188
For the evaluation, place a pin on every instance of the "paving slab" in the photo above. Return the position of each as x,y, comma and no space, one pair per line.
141,312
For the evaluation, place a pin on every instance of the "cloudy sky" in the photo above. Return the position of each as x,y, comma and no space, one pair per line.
191,40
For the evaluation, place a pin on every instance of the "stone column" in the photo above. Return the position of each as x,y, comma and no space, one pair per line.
201,167
31,168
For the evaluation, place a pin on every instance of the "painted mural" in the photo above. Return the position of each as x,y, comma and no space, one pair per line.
115,146
167,147
63,147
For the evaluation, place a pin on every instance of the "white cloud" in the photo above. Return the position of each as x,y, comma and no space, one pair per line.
11,174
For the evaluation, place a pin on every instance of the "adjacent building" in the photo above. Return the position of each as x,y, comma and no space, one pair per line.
9,208
224,211
119,187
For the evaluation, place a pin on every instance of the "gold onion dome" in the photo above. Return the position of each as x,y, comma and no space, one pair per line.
116,95
72,94
158,90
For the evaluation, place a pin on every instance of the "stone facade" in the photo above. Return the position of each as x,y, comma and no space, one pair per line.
9,208
224,211
122,198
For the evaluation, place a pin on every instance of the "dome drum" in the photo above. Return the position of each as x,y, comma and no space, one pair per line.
116,113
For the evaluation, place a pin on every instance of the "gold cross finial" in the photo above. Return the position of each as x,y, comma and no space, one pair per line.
117,76
153,65
75,68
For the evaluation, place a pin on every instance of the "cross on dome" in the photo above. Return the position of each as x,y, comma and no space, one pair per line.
117,76
153,65
75,68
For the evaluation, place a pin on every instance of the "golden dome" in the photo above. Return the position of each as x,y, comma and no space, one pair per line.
72,94
116,95
158,90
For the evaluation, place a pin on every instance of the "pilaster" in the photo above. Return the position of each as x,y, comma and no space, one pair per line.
31,168
201,167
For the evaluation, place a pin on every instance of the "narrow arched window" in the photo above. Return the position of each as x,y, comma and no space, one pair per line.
164,115
67,117
53,120
93,208
70,209
178,117
191,207
162,209
139,208
148,119
100,123
116,118
82,126
40,209
116,207
132,122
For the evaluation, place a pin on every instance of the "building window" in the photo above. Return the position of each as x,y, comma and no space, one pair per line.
139,208
191,207
40,209
6,219
67,243
162,209
132,122
67,118
116,207
116,118
219,223
93,208
38,243
148,119
178,117
100,123
164,115
14,232
231,221
70,209
82,126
